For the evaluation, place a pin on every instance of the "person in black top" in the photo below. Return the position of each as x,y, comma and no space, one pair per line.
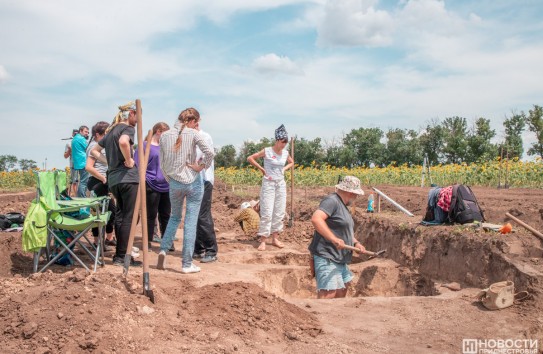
122,175
334,228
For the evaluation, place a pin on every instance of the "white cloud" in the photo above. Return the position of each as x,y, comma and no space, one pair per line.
273,64
3,74
354,22
72,64
79,40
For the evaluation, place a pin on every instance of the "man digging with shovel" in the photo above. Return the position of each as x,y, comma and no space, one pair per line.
334,231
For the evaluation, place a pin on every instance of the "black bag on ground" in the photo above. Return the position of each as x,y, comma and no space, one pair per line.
464,207
4,222
15,218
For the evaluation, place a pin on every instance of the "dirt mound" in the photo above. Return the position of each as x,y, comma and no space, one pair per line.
75,311
12,257
15,202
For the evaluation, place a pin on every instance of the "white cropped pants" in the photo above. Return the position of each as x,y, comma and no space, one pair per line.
273,202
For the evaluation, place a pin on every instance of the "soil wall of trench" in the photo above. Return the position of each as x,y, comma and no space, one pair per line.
450,255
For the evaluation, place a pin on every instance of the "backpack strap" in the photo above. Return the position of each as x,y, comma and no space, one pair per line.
454,201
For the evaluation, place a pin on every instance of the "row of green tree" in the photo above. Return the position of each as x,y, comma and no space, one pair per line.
447,141
12,163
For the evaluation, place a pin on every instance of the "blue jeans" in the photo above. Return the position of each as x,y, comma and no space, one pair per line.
193,193
83,179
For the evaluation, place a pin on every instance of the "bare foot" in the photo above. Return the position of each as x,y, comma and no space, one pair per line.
277,243
262,246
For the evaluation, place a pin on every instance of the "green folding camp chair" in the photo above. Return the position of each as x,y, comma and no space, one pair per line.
50,218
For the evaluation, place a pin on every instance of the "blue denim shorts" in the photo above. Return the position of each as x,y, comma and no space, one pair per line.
331,275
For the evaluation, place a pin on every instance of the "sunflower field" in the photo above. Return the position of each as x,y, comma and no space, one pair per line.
514,173
17,180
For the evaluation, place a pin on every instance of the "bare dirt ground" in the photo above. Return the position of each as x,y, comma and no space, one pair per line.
264,302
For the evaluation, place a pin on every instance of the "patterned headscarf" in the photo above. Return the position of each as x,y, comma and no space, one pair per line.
281,133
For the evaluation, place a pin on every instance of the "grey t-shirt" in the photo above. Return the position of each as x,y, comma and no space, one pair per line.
100,167
117,171
341,223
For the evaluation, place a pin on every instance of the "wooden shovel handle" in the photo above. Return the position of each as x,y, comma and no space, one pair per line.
357,250
523,224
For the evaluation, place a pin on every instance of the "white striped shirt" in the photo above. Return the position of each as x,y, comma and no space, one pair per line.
174,163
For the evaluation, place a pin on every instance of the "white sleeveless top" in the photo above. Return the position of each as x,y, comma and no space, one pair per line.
274,163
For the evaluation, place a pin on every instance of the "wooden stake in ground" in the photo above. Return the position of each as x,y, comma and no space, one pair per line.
506,186
291,219
500,169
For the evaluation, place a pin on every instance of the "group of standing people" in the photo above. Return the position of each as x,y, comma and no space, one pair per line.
180,170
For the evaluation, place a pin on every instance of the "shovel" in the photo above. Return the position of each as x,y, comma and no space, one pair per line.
128,256
370,253
147,291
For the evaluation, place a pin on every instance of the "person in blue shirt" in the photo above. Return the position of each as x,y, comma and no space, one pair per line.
79,159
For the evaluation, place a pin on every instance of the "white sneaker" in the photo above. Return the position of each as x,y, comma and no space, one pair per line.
191,269
161,259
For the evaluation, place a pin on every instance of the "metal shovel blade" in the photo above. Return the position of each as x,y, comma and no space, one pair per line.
126,266
377,254
147,288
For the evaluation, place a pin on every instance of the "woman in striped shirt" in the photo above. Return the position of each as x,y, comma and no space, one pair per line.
179,166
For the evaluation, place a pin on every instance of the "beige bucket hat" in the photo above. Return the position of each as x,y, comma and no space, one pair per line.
350,184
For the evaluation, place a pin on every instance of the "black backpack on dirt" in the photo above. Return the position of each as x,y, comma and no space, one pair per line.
464,207
4,222
15,218
10,219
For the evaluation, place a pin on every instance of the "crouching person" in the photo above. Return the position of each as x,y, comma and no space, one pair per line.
334,228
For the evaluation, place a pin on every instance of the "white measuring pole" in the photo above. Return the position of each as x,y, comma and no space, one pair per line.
392,201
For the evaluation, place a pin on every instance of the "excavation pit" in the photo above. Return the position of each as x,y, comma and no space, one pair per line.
378,277
280,258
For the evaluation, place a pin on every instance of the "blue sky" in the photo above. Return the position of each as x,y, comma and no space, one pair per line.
320,67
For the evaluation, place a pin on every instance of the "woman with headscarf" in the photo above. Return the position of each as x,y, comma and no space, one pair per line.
273,194
181,168
122,175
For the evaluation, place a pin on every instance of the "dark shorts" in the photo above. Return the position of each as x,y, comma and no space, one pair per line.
74,176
